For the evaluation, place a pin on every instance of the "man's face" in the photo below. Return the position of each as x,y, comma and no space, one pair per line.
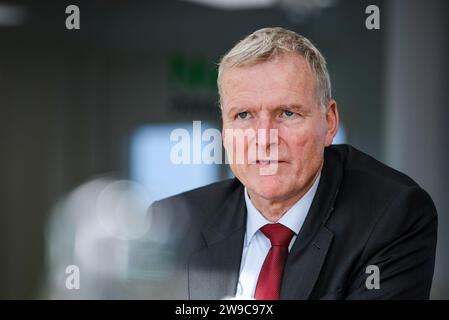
277,94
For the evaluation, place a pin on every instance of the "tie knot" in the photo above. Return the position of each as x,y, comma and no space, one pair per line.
278,234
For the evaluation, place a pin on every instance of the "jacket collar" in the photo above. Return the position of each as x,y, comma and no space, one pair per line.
214,270
309,251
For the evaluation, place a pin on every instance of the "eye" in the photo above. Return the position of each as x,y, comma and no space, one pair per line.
242,115
288,113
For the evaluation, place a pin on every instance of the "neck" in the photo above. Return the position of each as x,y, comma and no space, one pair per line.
274,209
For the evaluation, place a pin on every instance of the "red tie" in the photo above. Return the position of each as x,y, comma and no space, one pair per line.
269,282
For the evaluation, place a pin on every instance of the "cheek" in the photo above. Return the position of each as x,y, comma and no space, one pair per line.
303,144
297,138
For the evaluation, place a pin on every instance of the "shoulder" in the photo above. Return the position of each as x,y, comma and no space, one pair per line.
371,190
195,207
365,177
356,163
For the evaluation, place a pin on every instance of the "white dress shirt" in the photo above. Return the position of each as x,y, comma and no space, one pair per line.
256,245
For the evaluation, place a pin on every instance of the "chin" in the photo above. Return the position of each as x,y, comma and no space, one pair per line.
268,187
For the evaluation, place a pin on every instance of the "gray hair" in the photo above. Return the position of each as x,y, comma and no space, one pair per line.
267,43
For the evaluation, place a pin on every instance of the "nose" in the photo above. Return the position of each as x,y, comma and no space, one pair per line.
267,133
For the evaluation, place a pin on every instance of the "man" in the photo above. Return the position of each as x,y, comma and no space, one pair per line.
328,222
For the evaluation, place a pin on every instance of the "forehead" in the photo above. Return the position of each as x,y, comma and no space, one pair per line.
287,78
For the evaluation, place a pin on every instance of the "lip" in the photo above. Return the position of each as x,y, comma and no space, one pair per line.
268,162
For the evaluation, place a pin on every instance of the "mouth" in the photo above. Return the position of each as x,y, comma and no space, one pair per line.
268,162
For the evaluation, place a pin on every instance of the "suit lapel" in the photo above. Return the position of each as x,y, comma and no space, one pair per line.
303,267
213,271
311,246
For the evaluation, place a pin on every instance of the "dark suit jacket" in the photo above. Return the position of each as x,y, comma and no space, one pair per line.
363,213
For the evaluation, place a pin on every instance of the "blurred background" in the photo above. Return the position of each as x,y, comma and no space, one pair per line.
86,117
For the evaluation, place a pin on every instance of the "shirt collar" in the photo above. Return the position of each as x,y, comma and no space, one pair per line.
292,219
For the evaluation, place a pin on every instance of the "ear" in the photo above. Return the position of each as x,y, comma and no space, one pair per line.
331,121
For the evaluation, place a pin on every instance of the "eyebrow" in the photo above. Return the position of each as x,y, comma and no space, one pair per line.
293,107
234,110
